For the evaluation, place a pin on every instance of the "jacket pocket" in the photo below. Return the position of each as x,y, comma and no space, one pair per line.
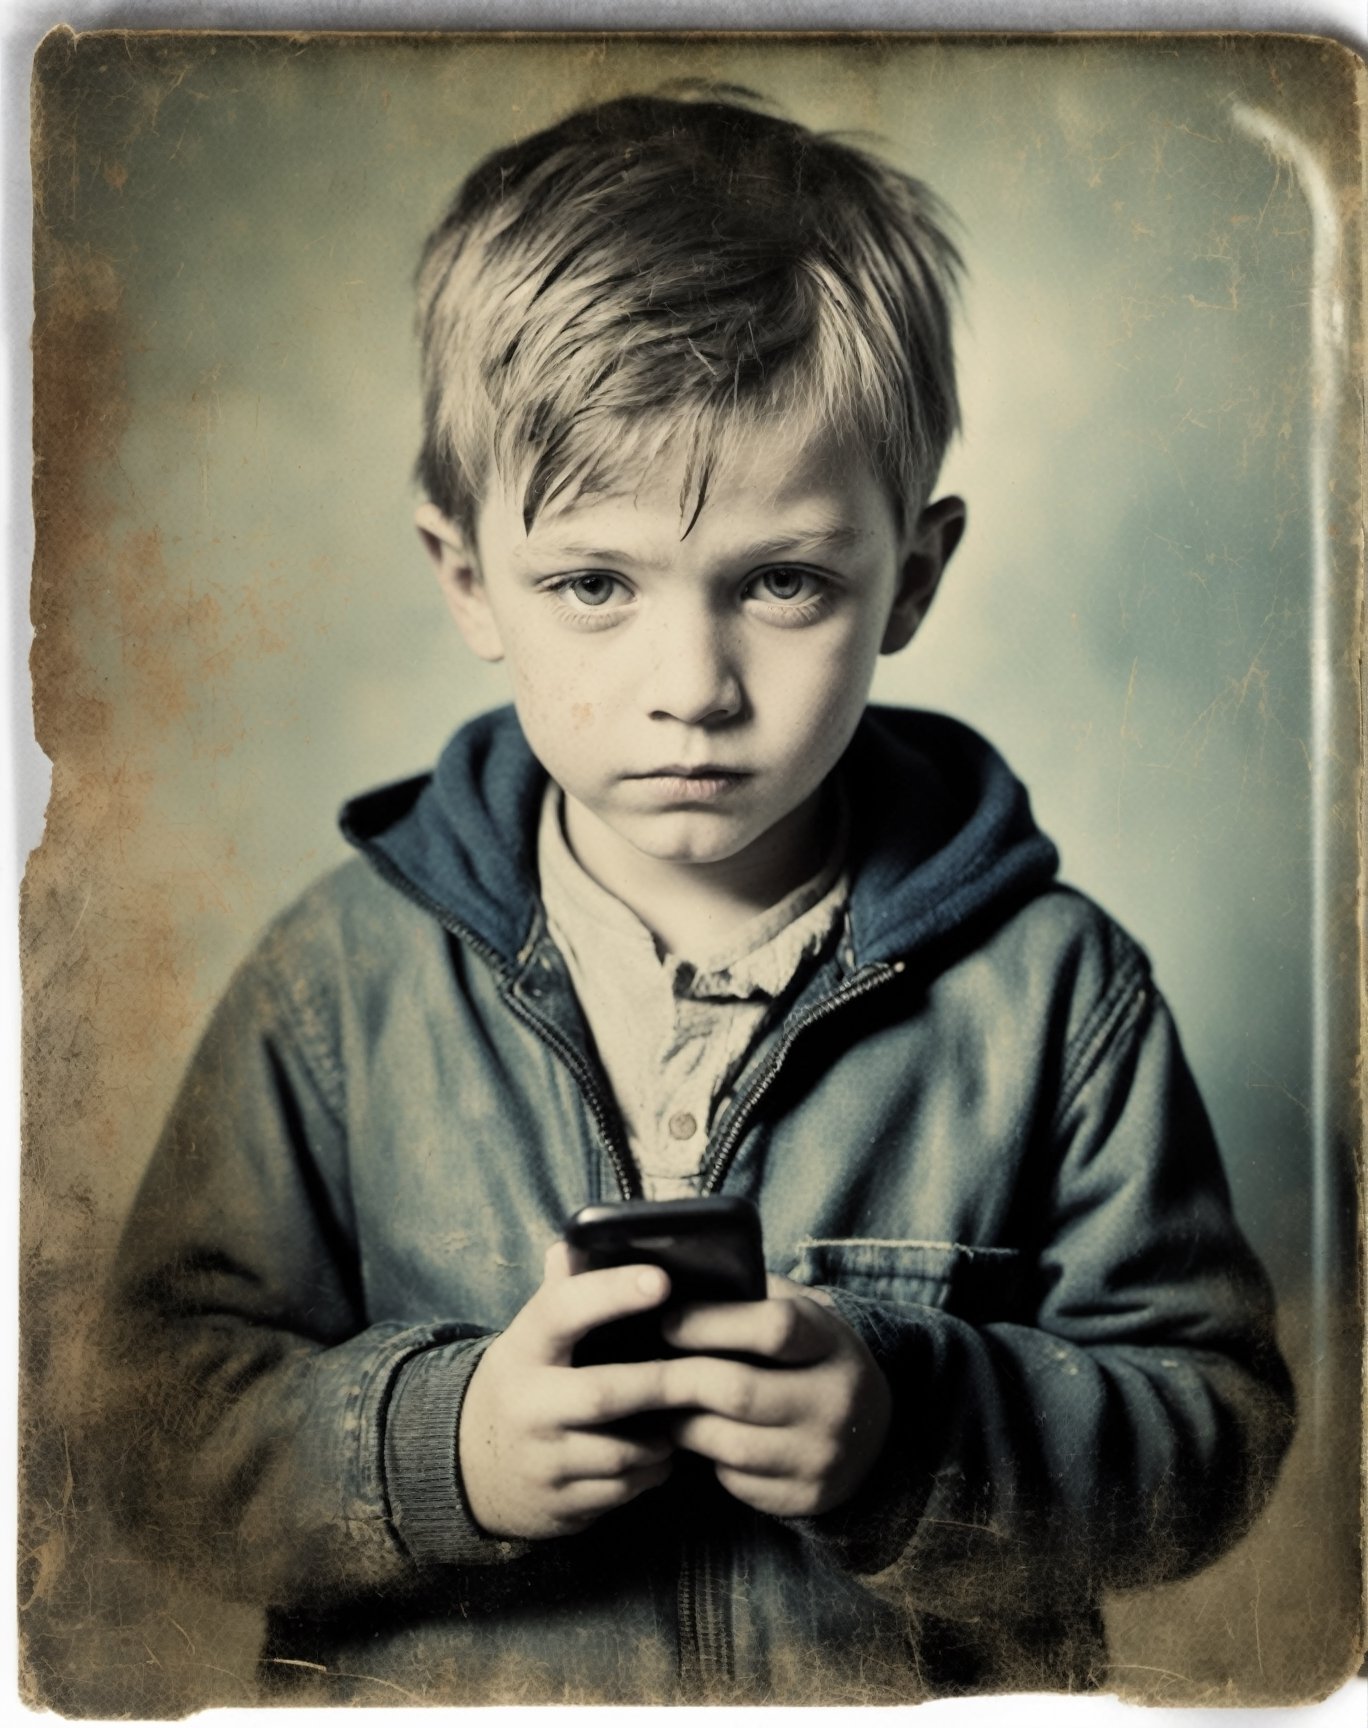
978,1284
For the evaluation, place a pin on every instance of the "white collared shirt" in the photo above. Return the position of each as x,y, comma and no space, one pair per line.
672,1033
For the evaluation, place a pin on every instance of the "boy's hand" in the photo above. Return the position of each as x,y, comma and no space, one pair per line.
534,1459
794,1437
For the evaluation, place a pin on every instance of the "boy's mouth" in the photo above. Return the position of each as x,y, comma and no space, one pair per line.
680,780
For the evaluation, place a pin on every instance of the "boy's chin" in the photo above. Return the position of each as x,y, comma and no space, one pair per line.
688,853
691,842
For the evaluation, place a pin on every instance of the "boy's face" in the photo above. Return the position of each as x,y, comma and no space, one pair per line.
690,692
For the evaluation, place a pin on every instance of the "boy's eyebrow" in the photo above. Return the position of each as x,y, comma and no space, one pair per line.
838,538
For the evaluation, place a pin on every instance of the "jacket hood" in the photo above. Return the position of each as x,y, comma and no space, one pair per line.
941,833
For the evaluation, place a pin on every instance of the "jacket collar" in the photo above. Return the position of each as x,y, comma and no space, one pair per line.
941,834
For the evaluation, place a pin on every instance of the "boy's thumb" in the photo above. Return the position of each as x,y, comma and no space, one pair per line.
562,1261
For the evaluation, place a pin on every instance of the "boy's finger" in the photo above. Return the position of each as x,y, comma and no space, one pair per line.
559,1262
593,1496
777,1285
793,1331
778,1496
760,1396
738,1445
562,1261
565,1309
596,1456
594,1397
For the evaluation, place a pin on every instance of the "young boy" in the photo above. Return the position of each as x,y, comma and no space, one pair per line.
692,919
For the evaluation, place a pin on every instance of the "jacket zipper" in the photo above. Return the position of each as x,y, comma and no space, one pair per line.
604,1118
707,1650
864,982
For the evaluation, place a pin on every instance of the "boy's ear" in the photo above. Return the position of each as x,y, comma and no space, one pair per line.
458,576
934,540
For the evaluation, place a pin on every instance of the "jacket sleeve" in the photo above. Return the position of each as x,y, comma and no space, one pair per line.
260,1433
1124,1425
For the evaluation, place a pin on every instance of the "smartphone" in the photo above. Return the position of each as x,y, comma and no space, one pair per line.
710,1247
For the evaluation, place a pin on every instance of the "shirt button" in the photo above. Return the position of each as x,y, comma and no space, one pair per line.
682,1125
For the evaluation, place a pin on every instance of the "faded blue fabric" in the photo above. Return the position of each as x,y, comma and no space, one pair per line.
974,1126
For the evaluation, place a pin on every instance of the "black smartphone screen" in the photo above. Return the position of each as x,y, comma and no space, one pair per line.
711,1248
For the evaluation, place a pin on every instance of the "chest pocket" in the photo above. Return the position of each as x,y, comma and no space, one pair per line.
978,1284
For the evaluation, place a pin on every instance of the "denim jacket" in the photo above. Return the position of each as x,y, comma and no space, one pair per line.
973,1126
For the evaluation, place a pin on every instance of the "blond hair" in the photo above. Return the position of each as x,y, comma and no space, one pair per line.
654,269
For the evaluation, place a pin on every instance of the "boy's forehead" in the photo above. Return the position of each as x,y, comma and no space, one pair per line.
779,486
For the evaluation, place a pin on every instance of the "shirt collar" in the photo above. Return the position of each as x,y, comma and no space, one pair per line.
758,958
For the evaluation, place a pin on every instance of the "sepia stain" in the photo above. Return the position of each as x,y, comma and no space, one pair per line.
107,974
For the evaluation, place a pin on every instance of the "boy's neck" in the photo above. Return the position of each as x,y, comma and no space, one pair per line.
691,909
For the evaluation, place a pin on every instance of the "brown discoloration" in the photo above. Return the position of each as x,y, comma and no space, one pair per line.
107,973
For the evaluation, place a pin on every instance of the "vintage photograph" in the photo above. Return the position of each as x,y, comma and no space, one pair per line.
692,992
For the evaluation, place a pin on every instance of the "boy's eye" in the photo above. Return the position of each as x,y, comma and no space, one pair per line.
592,590
782,584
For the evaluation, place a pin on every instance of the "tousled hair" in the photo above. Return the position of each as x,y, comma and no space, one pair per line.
657,269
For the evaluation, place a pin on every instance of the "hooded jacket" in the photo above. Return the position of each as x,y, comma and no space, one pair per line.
972,1125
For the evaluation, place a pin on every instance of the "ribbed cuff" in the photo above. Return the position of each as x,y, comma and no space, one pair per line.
427,1502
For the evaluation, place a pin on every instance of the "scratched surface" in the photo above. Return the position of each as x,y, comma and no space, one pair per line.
236,630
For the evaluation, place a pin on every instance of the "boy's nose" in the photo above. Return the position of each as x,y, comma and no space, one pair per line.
695,679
